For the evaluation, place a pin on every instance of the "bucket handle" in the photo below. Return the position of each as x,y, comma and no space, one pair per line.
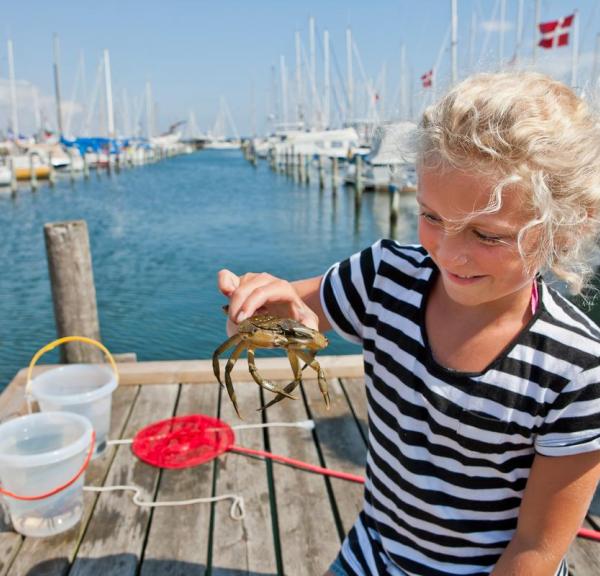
56,343
62,487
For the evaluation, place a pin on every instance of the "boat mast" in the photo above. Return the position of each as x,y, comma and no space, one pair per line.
149,123
403,107
326,80
536,37
284,103
13,91
299,88
349,77
109,97
594,78
501,34
454,42
57,86
519,42
314,120
36,110
575,53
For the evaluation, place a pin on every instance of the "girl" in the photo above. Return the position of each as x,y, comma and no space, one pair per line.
483,382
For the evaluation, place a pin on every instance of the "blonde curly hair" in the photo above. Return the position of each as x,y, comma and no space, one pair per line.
532,134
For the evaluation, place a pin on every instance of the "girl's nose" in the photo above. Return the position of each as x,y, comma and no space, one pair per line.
452,250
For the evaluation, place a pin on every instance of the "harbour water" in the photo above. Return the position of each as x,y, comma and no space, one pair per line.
159,234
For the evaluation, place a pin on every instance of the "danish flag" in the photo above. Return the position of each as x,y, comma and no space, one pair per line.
427,79
555,33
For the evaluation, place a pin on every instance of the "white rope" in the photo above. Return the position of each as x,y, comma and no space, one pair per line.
237,510
306,424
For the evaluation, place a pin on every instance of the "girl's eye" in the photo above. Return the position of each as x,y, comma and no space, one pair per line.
430,218
488,239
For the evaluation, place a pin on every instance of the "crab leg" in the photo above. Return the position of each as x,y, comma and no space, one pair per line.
264,383
310,360
215,357
292,385
228,383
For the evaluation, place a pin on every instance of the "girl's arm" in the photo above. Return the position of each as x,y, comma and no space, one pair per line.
251,293
558,494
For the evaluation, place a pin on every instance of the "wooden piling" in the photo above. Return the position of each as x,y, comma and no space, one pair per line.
71,167
321,173
334,173
306,166
73,290
300,168
394,204
359,176
86,167
52,173
32,173
13,176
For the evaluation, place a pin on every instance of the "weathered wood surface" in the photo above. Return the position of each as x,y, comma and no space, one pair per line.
73,289
178,537
248,546
40,556
307,528
295,520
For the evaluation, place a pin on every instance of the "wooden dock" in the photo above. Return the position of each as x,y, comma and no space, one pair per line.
295,520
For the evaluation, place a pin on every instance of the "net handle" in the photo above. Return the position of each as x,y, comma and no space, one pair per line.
65,340
62,487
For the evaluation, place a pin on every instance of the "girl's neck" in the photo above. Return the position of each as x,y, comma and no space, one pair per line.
515,307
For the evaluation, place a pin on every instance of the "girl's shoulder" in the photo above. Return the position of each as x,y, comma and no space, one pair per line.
573,336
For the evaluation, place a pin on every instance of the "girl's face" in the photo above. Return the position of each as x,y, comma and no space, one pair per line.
479,261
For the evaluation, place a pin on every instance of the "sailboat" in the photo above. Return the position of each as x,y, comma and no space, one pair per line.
217,139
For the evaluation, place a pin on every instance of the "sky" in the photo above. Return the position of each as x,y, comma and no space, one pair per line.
199,57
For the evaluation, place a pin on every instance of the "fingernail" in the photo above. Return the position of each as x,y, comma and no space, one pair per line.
241,317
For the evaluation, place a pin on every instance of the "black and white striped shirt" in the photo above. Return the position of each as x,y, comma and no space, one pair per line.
450,452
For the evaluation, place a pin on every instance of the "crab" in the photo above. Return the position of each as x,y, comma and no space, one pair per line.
266,331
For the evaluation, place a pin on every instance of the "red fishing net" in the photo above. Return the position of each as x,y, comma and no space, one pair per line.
183,441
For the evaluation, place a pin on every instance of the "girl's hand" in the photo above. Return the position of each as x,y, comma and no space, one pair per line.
262,293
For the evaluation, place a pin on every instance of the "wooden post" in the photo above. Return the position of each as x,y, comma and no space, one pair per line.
359,175
71,167
394,203
300,167
13,176
334,173
86,168
321,173
52,174
73,290
32,174
306,166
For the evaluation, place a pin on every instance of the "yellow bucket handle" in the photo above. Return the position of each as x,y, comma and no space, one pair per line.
58,342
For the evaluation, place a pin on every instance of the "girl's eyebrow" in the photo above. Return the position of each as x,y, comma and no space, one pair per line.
500,228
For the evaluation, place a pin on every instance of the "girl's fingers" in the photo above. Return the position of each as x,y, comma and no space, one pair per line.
228,282
279,298
238,298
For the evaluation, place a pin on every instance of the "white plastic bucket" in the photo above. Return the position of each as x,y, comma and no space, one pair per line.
39,453
85,389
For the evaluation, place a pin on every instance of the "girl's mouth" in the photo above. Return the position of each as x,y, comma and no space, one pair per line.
463,279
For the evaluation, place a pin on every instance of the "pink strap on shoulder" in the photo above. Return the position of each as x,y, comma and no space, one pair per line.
534,297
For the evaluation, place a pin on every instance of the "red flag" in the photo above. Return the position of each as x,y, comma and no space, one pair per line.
427,79
555,33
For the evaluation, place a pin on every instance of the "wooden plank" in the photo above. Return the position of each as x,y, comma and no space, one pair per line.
357,395
178,538
342,447
10,542
584,556
246,546
307,529
200,371
55,554
114,540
